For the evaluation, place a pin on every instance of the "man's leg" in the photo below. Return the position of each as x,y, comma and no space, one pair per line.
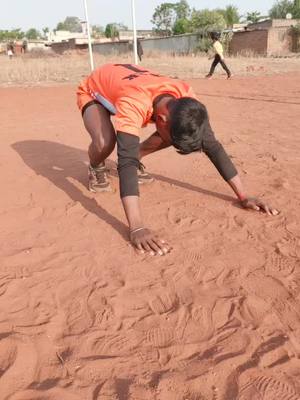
213,66
98,124
222,62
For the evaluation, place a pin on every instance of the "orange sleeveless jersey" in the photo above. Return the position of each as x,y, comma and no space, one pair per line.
131,89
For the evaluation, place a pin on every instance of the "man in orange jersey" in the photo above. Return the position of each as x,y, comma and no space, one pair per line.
136,97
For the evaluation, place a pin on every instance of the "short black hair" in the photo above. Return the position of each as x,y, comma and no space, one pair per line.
188,122
215,35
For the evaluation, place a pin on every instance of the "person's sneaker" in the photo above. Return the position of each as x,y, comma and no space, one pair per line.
229,76
98,181
143,177
208,76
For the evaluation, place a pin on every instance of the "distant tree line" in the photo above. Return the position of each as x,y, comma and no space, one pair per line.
178,18
168,19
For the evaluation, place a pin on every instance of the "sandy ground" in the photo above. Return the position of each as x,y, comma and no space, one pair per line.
82,317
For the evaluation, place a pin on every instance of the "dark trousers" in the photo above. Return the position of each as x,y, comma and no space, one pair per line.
216,61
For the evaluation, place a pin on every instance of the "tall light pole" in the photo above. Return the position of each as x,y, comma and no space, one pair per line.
134,32
89,34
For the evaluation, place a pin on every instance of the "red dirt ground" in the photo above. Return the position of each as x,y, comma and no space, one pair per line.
82,317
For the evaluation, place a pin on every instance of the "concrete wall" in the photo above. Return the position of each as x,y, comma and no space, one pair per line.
61,47
280,23
279,42
261,25
180,44
249,42
113,48
275,23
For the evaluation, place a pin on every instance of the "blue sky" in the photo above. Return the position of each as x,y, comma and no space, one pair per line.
26,14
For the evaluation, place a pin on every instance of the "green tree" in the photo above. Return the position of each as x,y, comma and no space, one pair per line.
281,8
32,34
296,9
182,22
164,17
13,34
121,27
111,31
60,27
182,10
97,31
230,14
181,26
45,31
253,17
207,20
71,24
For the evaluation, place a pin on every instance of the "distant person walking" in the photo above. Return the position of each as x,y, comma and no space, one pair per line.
219,57
24,46
10,50
140,50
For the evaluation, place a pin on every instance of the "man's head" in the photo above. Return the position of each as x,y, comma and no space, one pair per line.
215,35
182,122
188,122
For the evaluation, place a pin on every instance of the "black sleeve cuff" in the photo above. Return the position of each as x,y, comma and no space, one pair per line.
128,163
218,156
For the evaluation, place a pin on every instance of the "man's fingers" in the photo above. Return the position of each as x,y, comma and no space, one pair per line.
145,244
162,245
155,247
274,211
266,208
253,206
139,247
258,205
142,246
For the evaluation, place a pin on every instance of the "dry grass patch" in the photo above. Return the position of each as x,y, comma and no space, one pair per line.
71,68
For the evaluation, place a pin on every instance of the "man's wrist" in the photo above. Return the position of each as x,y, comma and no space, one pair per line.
241,197
135,225
132,231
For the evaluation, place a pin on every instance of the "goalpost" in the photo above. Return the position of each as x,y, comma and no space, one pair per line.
89,33
134,32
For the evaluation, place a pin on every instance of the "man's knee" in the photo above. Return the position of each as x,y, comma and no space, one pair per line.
103,146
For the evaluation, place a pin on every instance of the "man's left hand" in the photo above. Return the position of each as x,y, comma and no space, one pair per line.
253,203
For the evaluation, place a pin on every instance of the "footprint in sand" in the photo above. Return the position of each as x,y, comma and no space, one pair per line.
264,387
8,354
52,394
118,345
281,266
160,337
163,302
280,302
177,388
72,299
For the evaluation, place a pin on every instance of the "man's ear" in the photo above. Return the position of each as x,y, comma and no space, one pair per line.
162,118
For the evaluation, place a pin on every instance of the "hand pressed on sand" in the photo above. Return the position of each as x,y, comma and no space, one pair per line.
253,203
142,238
147,241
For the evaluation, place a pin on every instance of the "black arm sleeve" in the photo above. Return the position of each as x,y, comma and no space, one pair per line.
128,163
217,155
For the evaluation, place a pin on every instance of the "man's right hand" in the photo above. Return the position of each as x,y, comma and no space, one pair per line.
148,242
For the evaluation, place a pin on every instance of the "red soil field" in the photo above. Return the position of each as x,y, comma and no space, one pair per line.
83,317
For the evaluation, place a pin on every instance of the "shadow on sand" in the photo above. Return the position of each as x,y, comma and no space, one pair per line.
58,163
